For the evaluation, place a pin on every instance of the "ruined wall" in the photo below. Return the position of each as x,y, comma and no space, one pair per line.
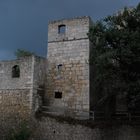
25,79
14,104
68,68
39,78
14,88
15,93
18,94
40,65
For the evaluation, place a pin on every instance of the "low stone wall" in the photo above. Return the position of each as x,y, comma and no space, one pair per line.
51,129
14,108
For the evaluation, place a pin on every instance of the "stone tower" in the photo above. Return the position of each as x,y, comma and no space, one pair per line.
68,80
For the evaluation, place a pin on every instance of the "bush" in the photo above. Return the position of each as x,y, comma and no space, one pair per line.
23,133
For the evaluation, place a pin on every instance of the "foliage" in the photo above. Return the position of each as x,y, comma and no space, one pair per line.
116,55
22,53
22,134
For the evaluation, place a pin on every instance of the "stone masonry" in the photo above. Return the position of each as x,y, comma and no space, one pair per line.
68,68
63,86
18,95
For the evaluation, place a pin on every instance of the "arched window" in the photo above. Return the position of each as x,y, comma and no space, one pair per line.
61,29
15,71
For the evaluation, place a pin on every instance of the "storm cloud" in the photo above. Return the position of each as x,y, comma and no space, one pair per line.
23,23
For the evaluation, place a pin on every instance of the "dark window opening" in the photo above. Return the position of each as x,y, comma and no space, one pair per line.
59,67
15,71
61,29
59,71
58,94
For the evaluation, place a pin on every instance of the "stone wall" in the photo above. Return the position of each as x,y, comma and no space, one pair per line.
50,129
39,79
68,68
25,79
14,109
76,28
15,92
14,101
19,97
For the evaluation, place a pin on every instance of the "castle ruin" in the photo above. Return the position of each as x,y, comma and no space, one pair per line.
61,83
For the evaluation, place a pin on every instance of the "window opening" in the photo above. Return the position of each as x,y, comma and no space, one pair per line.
59,67
15,71
61,29
58,95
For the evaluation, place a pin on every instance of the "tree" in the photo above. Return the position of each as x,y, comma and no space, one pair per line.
115,56
22,53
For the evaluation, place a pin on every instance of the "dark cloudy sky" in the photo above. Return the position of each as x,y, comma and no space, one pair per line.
23,23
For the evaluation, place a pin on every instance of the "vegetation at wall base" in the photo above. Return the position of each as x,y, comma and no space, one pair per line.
23,133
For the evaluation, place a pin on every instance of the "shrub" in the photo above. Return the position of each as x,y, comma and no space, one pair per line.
23,133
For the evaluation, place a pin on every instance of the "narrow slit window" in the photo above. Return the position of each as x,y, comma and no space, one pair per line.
58,95
61,29
15,71
59,67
